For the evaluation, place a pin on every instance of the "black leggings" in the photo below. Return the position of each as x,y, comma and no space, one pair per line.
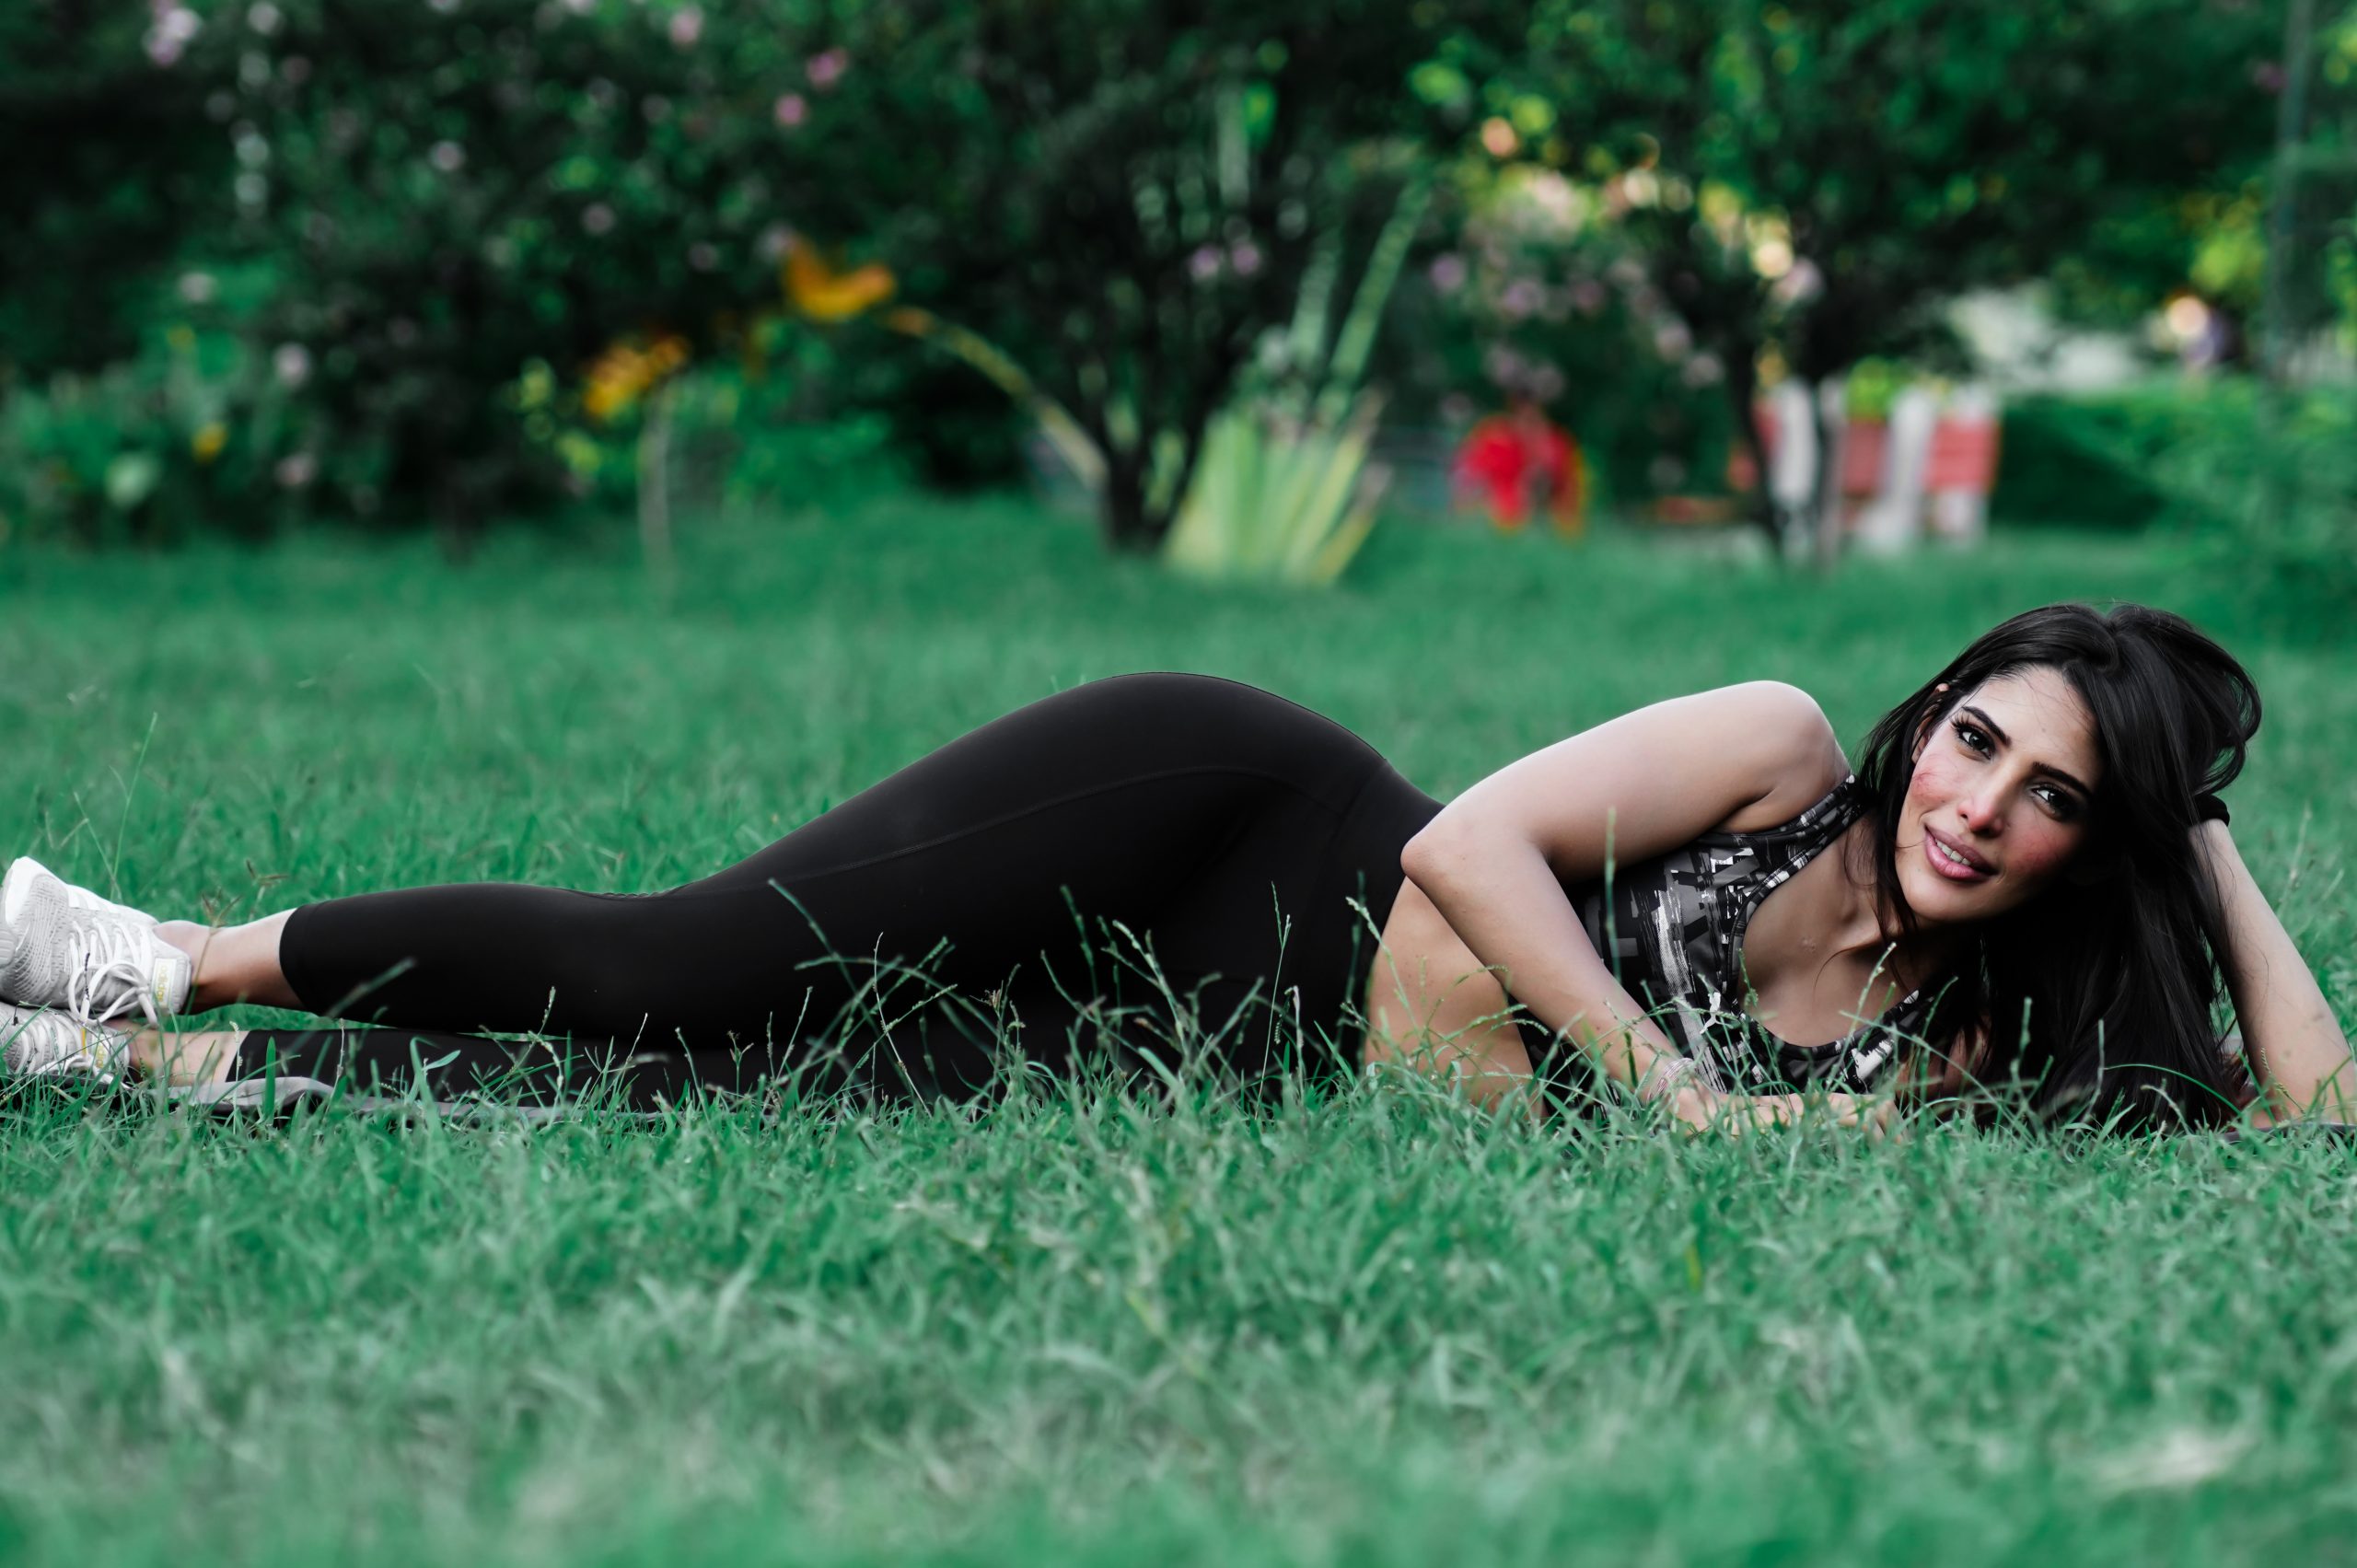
980,895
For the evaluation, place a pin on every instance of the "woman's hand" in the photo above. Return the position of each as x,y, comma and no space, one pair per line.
1700,1110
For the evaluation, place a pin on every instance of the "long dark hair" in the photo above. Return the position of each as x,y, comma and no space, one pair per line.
2097,998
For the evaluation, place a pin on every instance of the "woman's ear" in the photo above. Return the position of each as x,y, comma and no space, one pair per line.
1931,718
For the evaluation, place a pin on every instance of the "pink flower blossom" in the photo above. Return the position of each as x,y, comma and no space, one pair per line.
1447,272
1245,257
1204,264
687,25
168,38
791,110
826,69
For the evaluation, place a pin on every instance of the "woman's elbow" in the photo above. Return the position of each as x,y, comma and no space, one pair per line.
1435,853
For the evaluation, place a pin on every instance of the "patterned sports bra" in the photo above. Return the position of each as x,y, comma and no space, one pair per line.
1672,930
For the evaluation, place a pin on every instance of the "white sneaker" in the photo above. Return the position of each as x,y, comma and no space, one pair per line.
49,1044
77,898
64,948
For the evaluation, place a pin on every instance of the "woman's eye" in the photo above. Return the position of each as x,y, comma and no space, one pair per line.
2057,800
1971,736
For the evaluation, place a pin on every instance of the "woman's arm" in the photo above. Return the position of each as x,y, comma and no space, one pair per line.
2294,1044
1493,863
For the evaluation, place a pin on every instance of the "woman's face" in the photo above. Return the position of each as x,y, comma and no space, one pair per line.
2003,782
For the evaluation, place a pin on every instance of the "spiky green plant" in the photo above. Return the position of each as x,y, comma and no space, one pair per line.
1285,489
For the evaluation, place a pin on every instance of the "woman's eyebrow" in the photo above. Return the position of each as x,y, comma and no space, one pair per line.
1997,730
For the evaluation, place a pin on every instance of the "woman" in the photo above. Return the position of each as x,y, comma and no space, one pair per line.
2028,881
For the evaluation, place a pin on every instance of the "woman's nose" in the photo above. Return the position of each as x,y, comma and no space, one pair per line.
1983,810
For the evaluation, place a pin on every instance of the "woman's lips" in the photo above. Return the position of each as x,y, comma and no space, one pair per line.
1975,868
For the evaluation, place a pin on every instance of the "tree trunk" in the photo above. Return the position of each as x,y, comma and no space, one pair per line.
1743,387
1829,400
1123,505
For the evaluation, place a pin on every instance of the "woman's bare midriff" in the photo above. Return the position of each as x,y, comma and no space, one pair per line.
1427,991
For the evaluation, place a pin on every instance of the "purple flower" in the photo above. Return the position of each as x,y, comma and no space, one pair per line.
1521,297
687,25
1204,264
1447,272
1245,257
297,469
791,110
825,70
174,26
596,217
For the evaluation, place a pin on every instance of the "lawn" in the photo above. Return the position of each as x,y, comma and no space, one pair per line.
1372,1328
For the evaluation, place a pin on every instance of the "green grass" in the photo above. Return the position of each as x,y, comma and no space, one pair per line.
1375,1328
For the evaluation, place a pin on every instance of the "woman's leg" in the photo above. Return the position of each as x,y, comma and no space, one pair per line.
235,963
1115,800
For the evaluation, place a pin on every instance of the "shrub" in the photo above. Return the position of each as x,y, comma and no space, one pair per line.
2272,476
184,435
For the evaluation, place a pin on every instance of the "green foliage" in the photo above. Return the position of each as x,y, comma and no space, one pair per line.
1814,179
449,196
1533,288
1375,1329
109,167
1125,195
2082,462
2270,477
1283,489
190,435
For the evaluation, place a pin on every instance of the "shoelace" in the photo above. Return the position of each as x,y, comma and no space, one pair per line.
108,952
64,1044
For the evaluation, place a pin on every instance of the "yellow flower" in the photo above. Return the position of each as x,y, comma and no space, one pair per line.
206,443
625,373
822,294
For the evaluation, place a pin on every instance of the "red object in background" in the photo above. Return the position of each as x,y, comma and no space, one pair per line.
1964,457
1506,456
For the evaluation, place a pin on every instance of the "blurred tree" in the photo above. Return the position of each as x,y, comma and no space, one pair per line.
446,192
1124,195
1814,179
102,181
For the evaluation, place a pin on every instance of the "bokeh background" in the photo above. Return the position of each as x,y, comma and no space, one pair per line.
1235,280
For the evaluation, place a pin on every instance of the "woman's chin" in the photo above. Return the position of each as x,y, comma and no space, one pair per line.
1937,900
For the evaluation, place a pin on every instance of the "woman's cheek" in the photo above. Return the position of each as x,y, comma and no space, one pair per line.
2043,854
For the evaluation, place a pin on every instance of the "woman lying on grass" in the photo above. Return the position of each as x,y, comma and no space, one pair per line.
2028,881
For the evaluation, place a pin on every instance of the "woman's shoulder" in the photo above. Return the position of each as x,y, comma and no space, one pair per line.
1803,754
